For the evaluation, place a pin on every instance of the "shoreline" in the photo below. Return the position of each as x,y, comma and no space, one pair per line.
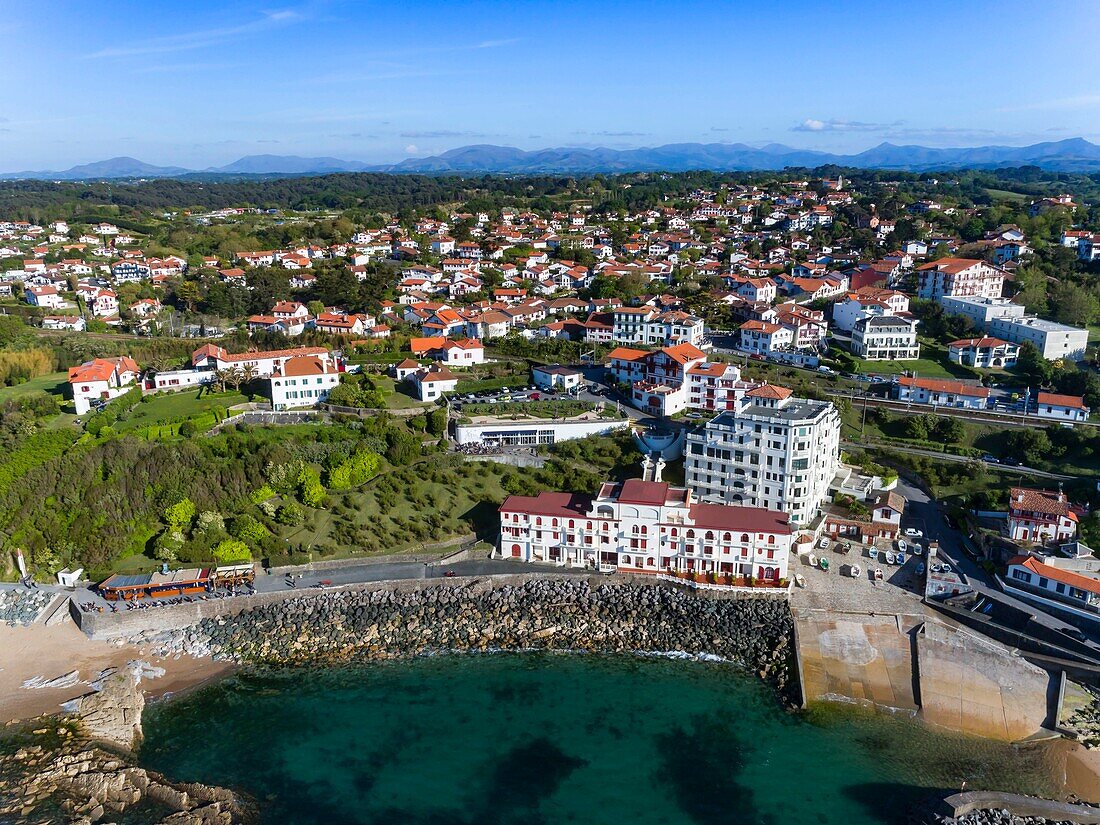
366,625
49,652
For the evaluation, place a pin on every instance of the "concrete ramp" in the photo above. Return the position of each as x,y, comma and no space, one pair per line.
974,685
858,657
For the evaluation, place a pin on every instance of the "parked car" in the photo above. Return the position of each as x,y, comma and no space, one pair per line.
913,532
990,459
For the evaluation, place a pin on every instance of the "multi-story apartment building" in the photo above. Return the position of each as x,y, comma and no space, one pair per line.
646,325
959,277
646,527
1053,340
982,311
885,338
773,451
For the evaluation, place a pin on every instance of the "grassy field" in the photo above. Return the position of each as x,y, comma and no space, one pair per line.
1005,195
174,408
53,382
398,397
405,508
923,367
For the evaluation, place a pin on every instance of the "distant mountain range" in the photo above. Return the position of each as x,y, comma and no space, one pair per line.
1070,155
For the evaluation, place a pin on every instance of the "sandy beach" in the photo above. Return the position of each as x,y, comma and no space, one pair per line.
49,652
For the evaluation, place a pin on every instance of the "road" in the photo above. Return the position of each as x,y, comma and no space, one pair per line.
306,578
958,459
929,517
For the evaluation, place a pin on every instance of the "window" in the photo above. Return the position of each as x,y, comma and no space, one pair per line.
1021,575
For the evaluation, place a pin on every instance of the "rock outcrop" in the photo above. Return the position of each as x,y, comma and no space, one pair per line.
112,714
55,774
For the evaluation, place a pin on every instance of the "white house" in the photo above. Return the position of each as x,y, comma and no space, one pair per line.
1039,517
433,382
763,337
885,338
983,353
302,381
101,380
555,377
43,296
1061,407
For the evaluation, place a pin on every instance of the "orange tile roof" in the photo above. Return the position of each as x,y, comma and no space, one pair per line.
770,391
1057,573
627,354
1053,399
1039,501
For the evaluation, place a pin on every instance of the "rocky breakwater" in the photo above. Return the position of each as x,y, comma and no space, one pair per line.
77,769
542,614
21,606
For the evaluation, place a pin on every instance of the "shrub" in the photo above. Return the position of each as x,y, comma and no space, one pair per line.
209,520
180,514
248,528
289,514
310,489
262,494
354,471
232,551
188,428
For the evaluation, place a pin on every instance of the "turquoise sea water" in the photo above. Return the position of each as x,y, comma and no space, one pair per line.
540,738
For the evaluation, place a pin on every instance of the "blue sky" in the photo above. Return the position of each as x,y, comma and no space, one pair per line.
201,83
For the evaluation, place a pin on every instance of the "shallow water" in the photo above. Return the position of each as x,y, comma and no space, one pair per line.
542,738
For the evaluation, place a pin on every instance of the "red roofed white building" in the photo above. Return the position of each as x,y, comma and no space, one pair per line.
941,393
263,364
983,353
1061,407
101,380
646,527
764,337
1038,516
302,381
1054,586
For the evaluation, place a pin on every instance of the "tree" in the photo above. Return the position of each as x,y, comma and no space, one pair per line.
1028,444
289,514
1031,364
232,551
1072,304
188,294
180,514
951,430
437,421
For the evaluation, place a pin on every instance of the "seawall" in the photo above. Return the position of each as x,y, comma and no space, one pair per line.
921,665
522,612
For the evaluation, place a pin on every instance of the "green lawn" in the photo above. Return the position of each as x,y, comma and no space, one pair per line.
923,367
53,382
468,385
398,397
175,407
1005,195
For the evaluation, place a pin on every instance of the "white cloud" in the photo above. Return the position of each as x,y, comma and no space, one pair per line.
412,149
494,44
833,125
203,37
